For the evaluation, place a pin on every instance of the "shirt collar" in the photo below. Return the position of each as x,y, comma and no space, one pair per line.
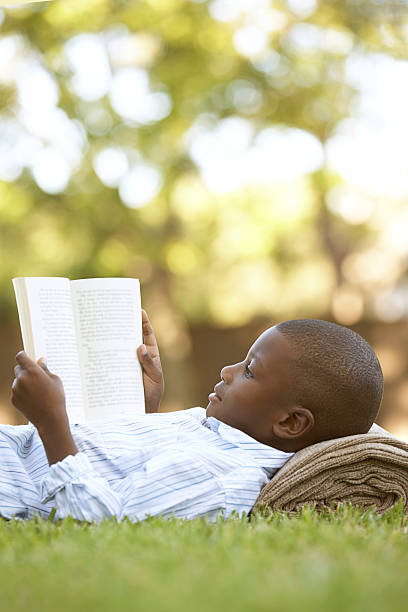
211,423
261,453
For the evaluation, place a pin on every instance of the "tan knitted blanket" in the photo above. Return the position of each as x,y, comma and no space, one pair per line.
366,469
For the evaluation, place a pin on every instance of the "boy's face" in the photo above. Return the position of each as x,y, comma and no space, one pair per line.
252,393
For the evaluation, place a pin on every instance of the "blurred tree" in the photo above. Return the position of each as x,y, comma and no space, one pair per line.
125,105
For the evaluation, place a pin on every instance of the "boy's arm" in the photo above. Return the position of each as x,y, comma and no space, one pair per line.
149,357
39,395
74,487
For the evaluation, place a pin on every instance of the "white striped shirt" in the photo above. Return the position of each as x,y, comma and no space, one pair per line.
174,464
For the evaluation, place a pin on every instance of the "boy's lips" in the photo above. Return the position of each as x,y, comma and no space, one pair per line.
215,396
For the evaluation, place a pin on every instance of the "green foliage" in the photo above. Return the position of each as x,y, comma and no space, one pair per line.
346,559
282,240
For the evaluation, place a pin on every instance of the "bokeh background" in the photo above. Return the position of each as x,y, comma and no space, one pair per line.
246,159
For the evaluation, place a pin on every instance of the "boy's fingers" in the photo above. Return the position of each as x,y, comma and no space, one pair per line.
24,360
43,365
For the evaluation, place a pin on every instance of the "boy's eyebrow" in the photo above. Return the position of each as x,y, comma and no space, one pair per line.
258,362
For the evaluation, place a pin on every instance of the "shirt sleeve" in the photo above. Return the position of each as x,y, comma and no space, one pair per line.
79,491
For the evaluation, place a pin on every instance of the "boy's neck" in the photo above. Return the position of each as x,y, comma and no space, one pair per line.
291,446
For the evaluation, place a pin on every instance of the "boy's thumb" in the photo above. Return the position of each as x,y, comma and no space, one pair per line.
144,355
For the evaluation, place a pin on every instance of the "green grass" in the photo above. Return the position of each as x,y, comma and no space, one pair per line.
344,560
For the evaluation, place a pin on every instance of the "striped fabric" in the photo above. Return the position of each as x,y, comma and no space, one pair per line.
174,464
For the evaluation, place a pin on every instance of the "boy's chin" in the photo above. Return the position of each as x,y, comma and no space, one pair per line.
213,410
210,410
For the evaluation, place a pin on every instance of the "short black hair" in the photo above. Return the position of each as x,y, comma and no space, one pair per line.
335,374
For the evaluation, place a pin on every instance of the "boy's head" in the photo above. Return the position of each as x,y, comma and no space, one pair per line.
302,381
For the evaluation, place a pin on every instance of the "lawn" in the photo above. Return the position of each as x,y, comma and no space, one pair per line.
344,560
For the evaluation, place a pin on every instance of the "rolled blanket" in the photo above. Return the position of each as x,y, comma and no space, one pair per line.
365,469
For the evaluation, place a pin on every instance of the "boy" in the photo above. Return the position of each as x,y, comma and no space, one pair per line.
302,381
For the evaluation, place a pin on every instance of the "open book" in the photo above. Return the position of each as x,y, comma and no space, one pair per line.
88,332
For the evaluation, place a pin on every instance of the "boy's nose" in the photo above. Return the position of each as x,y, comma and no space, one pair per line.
226,374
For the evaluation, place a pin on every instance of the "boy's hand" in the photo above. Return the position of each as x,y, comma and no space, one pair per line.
38,394
148,354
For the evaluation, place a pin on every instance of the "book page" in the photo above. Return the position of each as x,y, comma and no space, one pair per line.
53,336
24,315
109,329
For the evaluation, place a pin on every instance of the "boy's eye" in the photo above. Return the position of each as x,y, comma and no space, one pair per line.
248,372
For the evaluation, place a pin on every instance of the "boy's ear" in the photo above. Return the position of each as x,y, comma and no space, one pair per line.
295,423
